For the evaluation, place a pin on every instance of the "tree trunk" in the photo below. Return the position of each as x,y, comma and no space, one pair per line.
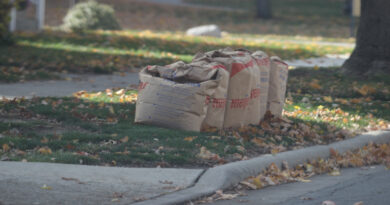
372,53
264,9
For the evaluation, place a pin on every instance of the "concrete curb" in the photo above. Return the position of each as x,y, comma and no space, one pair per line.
225,176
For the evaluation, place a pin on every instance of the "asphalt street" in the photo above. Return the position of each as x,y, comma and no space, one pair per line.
370,185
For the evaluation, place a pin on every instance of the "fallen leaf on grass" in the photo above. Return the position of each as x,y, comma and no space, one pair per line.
44,140
120,92
44,150
111,109
125,139
365,90
6,148
328,99
208,155
190,139
314,84
259,142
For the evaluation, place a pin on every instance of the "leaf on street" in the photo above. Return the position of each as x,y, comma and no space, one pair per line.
328,203
335,173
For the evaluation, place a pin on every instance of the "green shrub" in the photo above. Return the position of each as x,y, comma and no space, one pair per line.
91,16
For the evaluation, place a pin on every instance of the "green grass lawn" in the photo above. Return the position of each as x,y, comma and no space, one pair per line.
291,17
322,8
97,128
43,56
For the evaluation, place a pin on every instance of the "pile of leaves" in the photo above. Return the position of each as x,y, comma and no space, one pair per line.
371,154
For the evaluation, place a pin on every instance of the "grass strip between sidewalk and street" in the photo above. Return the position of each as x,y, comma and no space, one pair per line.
98,128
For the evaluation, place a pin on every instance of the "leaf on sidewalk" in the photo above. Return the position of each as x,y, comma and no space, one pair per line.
328,203
46,187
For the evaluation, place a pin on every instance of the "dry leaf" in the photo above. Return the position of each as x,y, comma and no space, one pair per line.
335,173
120,92
111,109
44,150
125,139
190,139
328,203
315,85
328,99
249,185
206,154
257,182
44,140
333,152
6,148
259,142
304,180
46,187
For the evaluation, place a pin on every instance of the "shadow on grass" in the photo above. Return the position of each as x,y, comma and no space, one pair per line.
355,95
51,59
102,133
163,44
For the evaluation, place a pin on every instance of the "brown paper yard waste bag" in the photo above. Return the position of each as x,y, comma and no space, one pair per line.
174,96
277,86
219,89
263,62
243,103
217,101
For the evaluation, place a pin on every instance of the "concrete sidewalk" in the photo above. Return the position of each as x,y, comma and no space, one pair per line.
90,82
61,88
46,183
